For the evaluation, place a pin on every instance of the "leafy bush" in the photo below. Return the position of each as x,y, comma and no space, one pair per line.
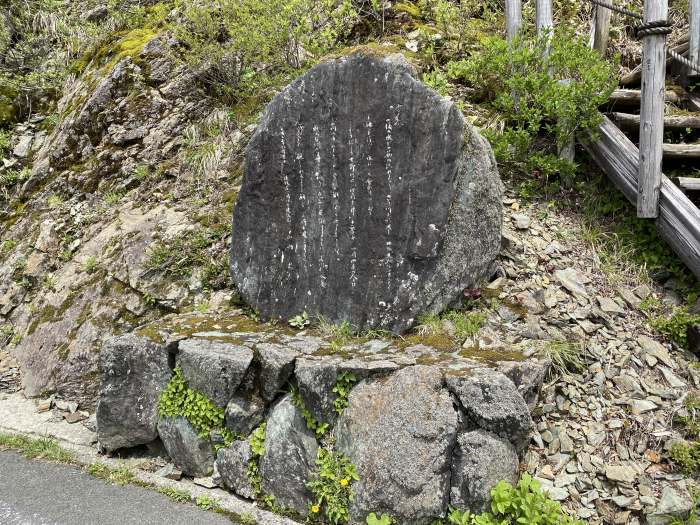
233,60
332,485
686,457
178,399
525,503
691,422
675,326
537,93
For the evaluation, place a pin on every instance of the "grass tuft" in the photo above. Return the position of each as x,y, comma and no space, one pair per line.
40,448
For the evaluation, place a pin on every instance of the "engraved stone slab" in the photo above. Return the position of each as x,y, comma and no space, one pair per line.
367,198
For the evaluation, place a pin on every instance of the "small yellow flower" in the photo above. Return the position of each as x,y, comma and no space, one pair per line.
315,509
344,482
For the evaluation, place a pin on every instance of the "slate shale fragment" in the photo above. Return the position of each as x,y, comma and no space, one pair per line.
367,198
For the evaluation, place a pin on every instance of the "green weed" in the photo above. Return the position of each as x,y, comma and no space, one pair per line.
332,485
39,448
178,399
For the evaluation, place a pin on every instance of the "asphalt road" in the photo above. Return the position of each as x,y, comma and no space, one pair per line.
40,493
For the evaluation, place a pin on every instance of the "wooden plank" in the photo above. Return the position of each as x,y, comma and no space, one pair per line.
651,129
514,18
629,121
679,219
681,151
601,31
687,183
693,102
635,76
694,32
633,97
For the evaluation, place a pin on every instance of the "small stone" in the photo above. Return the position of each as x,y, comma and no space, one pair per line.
656,349
672,379
556,493
672,505
567,445
609,305
642,406
546,472
522,222
623,501
572,281
642,291
74,417
412,46
66,406
629,297
206,482
24,145
44,405
169,471
621,473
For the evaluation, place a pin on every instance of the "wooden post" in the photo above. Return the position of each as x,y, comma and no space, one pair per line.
651,131
544,21
694,33
514,18
601,32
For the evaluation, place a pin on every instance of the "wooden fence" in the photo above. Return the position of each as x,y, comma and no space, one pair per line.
637,171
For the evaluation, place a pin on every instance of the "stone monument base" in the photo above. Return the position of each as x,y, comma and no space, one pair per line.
424,428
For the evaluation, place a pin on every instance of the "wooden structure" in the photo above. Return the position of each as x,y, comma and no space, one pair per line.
637,171
679,219
514,18
651,129
601,28
694,32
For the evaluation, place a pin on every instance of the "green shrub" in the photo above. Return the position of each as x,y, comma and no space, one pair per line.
525,503
691,422
536,94
90,264
686,457
332,485
178,399
675,326
218,41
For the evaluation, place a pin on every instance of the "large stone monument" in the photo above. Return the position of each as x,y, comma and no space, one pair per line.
367,198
